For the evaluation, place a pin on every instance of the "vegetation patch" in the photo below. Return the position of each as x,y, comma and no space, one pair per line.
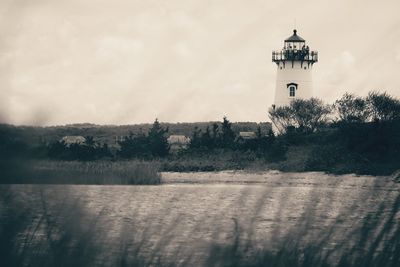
355,134
75,172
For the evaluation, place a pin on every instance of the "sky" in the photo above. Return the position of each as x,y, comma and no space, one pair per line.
131,61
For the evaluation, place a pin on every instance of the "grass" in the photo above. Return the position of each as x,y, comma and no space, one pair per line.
298,158
64,233
74,172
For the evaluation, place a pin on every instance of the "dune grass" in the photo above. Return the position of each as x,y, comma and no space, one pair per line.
74,172
64,233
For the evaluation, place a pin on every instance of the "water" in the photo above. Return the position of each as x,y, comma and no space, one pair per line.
193,215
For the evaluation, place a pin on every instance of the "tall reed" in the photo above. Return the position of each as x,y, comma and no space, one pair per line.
74,172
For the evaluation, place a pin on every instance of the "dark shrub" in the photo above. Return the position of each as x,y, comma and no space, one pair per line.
154,144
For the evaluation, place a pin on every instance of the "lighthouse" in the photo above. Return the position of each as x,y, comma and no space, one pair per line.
294,76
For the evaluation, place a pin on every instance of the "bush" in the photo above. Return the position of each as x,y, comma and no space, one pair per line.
351,109
375,107
216,138
383,107
324,158
154,144
277,151
305,115
73,172
87,151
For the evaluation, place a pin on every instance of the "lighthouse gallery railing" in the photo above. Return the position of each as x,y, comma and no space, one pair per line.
309,56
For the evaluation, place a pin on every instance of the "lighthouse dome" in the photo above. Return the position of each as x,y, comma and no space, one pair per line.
294,38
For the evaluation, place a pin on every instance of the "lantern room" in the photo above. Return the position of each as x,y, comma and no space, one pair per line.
295,48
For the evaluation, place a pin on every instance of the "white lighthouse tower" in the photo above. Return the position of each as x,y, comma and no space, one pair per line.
294,62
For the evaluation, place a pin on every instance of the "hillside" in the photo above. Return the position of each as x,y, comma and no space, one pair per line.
33,135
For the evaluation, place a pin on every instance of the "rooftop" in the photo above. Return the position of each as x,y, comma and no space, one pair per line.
295,38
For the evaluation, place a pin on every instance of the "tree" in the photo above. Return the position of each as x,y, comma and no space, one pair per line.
383,107
195,141
134,146
309,114
305,115
89,141
158,143
259,134
215,135
154,144
281,117
264,142
271,136
58,150
206,139
104,151
227,134
351,108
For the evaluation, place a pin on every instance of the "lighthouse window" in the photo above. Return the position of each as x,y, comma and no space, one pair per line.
292,91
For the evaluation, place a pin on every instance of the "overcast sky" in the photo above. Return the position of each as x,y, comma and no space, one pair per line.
130,61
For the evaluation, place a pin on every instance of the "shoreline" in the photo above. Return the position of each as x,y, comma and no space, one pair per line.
142,172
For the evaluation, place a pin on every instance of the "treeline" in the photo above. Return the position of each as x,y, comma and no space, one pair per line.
87,150
152,144
137,142
36,135
355,134
307,116
221,136
352,134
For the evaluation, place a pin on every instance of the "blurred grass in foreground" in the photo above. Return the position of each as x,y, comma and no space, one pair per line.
74,172
49,231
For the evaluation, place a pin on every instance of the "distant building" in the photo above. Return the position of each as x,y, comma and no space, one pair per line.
247,135
73,139
178,142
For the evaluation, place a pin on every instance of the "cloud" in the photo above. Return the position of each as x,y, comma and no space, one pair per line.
117,50
397,57
132,61
347,59
182,50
